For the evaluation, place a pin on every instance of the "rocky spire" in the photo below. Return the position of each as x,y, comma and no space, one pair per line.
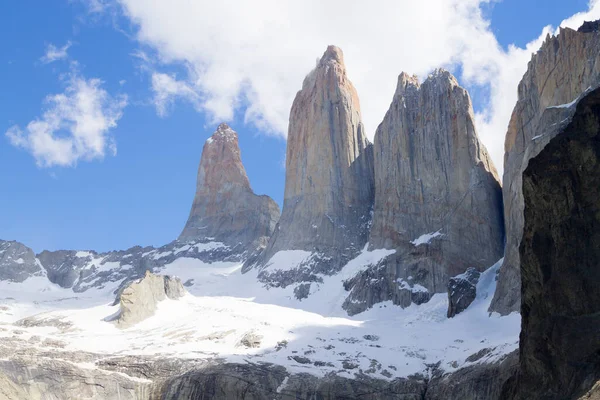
432,174
438,201
558,75
225,209
329,167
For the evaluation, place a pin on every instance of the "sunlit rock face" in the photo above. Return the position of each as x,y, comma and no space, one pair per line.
329,173
560,263
225,209
565,67
438,201
139,300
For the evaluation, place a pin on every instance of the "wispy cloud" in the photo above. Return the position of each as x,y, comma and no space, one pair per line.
167,89
75,125
54,53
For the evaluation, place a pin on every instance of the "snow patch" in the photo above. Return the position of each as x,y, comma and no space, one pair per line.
288,260
426,238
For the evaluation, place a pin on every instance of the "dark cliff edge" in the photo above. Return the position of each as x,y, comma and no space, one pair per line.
560,264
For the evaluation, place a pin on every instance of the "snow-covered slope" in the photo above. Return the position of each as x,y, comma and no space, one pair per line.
231,316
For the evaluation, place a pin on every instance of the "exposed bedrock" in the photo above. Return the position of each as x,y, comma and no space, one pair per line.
438,201
17,262
140,299
560,263
329,174
225,209
565,67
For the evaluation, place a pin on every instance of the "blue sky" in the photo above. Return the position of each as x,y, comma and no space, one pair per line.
142,195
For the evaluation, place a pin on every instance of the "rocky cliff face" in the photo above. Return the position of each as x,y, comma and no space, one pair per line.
560,263
225,209
565,67
329,174
438,202
139,299
17,262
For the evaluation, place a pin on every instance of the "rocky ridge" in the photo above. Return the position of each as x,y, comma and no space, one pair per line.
17,262
566,67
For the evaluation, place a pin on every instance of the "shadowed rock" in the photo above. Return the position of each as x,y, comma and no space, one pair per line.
17,262
560,263
462,290
565,67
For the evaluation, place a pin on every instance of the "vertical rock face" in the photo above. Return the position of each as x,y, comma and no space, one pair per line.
17,262
563,69
225,209
560,263
432,174
438,202
329,170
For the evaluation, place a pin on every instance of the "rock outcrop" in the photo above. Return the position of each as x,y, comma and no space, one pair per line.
438,201
329,176
225,209
462,290
565,67
560,263
17,262
140,299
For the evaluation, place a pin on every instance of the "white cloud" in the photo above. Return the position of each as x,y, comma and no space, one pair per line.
54,53
74,126
252,56
167,89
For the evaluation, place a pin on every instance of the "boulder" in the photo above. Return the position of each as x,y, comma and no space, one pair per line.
140,299
462,290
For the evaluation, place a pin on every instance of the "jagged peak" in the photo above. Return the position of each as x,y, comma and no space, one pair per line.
223,132
438,75
332,54
404,81
590,26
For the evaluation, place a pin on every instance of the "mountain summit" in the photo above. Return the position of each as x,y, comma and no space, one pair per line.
225,209
329,172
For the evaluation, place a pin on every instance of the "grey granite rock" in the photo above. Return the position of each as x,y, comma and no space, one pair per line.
437,198
565,67
462,290
266,381
140,299
17,262
480,381
329,175
225,209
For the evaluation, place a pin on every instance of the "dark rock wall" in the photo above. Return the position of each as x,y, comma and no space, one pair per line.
560,263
